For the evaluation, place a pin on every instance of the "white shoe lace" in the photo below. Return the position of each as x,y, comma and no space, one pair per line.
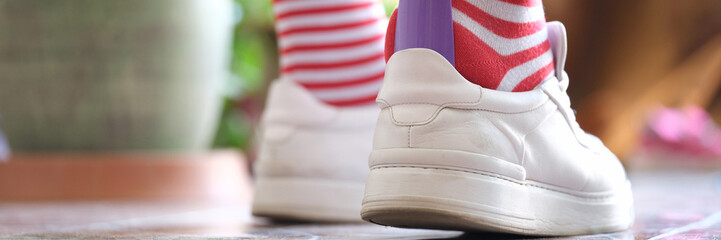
562,99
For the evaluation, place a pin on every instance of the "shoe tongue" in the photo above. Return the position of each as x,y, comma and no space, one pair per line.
559,45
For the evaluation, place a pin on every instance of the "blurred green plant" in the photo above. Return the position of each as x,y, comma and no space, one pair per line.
389,5
252,38
254,60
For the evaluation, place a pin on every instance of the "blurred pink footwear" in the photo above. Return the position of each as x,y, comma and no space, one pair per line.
680,137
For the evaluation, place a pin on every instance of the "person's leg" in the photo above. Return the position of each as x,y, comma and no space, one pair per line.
333,48
482,137
496,44
317,126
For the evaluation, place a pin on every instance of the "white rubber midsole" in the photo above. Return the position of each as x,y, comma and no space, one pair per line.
308,199
518,206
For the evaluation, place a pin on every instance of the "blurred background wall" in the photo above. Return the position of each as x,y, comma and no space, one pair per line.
112,75
628,57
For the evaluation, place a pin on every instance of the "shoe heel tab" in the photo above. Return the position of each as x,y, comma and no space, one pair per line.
423,76
289,102
419,83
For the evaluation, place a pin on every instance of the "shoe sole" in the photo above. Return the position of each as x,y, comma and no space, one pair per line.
450,199
308,200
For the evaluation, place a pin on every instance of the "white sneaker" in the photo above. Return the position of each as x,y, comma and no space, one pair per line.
448,154
312,163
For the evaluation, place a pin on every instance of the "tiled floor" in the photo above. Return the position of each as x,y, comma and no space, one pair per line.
679,205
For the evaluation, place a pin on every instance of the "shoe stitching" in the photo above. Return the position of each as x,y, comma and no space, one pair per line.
504,179
435,114
441,107
480,96
409,136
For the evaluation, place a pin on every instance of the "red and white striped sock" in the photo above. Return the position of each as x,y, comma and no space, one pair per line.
499,44
334,48
505,43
